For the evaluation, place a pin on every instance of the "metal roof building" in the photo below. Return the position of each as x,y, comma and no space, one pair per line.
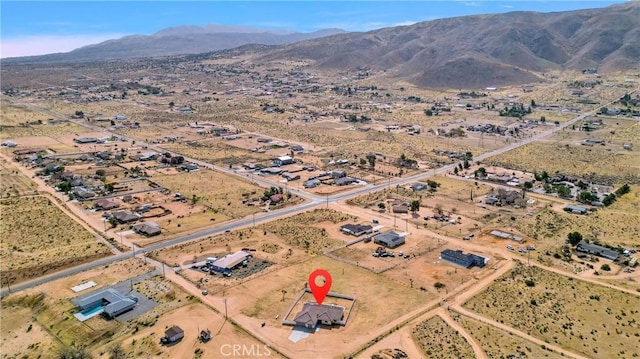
597,250
466,260
389,239
229,262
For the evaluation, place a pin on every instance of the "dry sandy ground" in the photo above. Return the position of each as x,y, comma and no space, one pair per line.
19,331
227,339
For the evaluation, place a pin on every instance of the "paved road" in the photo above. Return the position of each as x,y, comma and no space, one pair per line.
312,200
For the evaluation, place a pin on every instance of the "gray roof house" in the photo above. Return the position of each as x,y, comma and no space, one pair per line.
356,229
147,228
575,209
114,302
389,239
126,216
466,260
81,192
313,313
600,251
174,334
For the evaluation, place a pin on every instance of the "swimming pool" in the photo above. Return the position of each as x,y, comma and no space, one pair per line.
82,316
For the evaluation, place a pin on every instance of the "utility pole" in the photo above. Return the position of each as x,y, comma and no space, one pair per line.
225,308
327,200
254,219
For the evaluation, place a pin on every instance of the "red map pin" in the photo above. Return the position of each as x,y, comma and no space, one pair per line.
320,291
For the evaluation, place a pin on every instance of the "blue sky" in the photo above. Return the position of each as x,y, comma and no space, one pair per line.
38,27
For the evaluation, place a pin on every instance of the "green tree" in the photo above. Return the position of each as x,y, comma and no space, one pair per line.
415,206
372,161
433,184
563,191
623,190
100,173
428,112
171,104
586,197
466,164
574,238
528,185
455,170
64,186
605,267
533,103
480,172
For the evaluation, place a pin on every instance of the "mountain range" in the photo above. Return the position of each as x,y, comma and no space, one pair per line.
179,40
484,50
461,52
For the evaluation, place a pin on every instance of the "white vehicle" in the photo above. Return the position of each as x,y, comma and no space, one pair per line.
211,260
509,247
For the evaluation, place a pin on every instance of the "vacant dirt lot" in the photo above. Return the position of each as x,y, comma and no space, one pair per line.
596,164
38,238
499,344
13,182
595,321
617,224
438,340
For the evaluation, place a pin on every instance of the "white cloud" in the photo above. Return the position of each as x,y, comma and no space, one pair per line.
48,44
471,3
405,23
507,6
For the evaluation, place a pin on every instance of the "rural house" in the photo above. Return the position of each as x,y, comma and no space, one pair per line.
356,229
126,216
113,302
597,250
466,260
173,334
575,209
106,204
312,313
229,262
282,161
147,228
389,239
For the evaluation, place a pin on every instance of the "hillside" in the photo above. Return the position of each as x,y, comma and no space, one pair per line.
484,50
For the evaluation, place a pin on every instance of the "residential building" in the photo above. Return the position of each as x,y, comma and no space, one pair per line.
313,313
229,262
126,216
173,334
282,161
597,250
466,260
106,204
389,239
147,228
576,209
82,140
356,229
113,302
418,187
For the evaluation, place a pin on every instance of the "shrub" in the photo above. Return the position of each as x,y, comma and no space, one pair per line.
605,267
529,283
